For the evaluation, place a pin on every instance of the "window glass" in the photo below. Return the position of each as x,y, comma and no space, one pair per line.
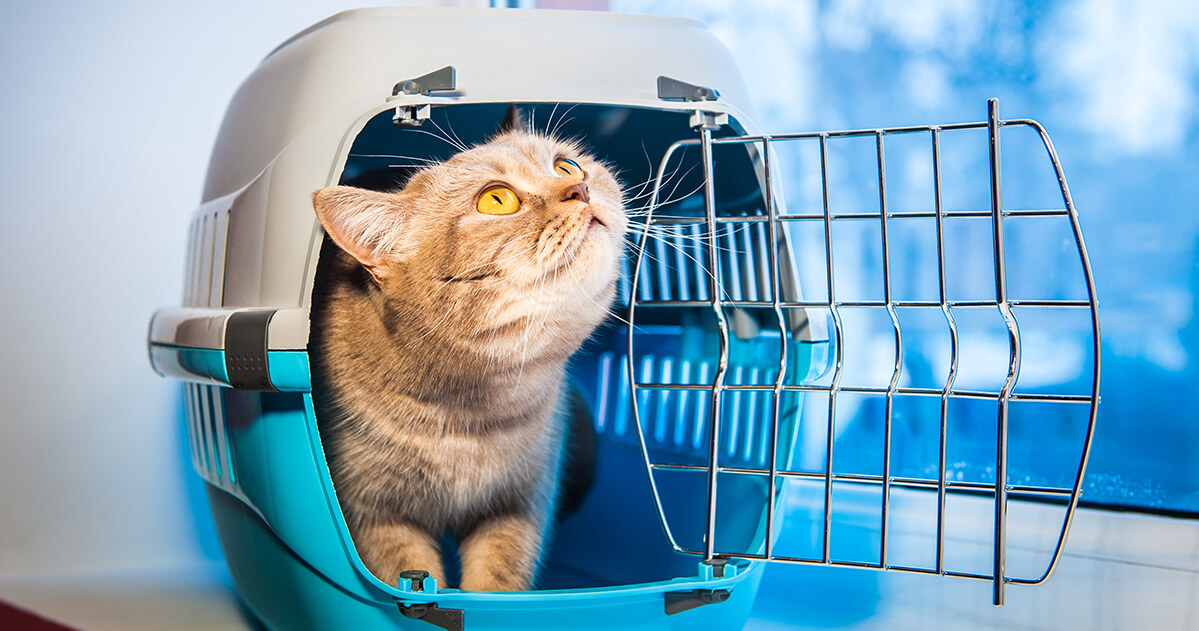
1119,106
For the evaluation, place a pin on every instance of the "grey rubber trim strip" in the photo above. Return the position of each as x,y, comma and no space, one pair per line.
245,351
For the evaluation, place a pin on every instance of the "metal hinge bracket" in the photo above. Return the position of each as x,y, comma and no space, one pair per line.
678,602
674,90
436,81
448,619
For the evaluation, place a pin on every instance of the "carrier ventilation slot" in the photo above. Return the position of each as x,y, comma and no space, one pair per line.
205,271
723,405
211,455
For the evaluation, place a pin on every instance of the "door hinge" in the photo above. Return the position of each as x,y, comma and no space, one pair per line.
678,602
674,90
448,619
445,79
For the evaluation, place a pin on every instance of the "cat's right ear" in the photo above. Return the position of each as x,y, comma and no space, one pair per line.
366,224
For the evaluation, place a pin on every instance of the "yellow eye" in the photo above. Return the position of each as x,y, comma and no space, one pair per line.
498,200
569,168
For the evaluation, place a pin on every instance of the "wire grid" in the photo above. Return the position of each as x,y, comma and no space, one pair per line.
717,296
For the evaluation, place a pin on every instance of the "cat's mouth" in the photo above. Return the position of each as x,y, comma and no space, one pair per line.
596,223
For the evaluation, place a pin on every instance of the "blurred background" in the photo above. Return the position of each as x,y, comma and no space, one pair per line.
110,110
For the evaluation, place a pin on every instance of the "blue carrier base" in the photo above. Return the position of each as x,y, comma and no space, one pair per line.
608,565
286,593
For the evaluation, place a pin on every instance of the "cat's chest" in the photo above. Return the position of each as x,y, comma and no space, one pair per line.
477,463
462,468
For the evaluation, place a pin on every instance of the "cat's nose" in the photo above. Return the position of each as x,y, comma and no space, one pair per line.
577,192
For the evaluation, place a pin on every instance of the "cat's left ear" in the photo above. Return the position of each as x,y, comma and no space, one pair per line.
513,122
369,225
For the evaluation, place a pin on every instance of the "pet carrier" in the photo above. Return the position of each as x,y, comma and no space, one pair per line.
703,402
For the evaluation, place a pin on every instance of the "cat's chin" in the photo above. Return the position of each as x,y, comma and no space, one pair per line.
575,291
599,250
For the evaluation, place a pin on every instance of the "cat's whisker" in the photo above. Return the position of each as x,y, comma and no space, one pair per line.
454,133
661,179
699,264
444,317
609,311
672,196
395,155
550,120
642,189
563,121
650,208
524,356
673,178
553,128
442,136
639,187
656,199
701,239
646,212
451,135
692,250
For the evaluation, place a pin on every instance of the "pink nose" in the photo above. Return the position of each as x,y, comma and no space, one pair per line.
577,192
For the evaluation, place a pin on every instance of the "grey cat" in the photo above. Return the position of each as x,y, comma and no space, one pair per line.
440,340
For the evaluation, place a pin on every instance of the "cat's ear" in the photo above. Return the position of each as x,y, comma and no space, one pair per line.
513,122
368,225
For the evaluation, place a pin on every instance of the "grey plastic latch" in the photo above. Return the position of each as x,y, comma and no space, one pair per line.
675,90
438,80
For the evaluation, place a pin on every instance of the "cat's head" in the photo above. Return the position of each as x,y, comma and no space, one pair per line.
521,229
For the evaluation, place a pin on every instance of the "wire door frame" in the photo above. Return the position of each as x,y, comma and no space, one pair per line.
717,301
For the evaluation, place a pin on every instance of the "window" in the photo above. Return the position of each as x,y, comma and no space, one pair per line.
1118,109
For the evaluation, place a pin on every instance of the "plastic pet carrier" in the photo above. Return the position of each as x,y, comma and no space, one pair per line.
721,388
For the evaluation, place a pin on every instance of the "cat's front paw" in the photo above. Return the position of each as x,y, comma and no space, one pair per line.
388,550
501,554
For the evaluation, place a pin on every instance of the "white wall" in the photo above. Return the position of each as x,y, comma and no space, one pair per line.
107,117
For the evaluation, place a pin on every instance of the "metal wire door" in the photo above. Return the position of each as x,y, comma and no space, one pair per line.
732,264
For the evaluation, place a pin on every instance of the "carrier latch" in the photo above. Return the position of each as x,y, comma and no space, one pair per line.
675,90
436,81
